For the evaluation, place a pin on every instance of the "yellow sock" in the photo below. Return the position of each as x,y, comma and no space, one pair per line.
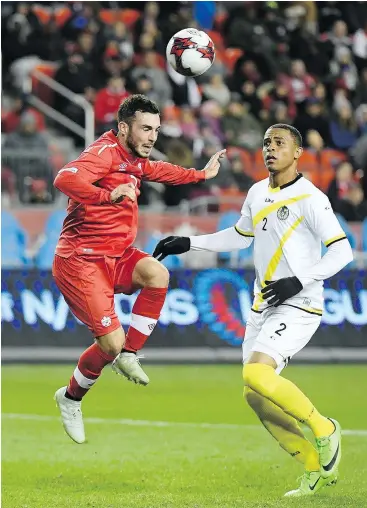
285,394
284,429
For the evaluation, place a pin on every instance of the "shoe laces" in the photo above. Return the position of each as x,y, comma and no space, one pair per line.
74,409
305,479
324,444
138,357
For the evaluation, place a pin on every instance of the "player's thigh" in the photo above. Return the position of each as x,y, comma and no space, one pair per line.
284,332
87,287
124,276
253,327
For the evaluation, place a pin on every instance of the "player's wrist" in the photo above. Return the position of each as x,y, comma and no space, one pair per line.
297,283
105,197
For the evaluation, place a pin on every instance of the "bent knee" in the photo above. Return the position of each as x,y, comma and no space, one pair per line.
253,399
112,343
156,275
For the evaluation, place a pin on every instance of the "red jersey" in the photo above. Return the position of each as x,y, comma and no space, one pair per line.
94,225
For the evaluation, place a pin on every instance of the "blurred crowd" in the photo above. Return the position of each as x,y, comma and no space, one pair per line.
303,63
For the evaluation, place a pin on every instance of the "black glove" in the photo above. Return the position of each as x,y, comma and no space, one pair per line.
171,245
278,291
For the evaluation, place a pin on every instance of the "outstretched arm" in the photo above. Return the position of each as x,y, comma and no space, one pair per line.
235,238
164,172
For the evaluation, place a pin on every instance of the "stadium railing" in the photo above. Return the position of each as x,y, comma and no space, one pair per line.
87,133
28,166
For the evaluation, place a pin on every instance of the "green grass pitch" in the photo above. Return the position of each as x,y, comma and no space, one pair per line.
131,461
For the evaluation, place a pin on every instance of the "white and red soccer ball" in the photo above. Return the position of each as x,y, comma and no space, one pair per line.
190,52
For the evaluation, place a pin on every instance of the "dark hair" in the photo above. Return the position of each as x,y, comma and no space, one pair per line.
134,103
296,135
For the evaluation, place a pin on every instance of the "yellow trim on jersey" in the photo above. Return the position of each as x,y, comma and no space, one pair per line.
312,310
334,239
244,233
273,189
272,208
274,262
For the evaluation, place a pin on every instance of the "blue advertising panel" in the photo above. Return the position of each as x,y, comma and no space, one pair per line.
203,308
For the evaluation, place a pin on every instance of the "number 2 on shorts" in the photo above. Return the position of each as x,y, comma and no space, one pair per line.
283,326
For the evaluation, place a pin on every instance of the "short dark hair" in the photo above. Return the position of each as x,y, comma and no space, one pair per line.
296,135
134,103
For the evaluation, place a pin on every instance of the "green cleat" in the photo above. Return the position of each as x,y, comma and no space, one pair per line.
330,451
312,482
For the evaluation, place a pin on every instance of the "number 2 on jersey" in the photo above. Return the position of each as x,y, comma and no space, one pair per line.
265,221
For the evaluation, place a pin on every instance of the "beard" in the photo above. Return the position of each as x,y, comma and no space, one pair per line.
133,147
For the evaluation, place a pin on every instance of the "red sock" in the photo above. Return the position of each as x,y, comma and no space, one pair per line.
87,371
144,317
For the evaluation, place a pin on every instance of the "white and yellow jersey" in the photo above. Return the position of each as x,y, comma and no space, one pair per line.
288,225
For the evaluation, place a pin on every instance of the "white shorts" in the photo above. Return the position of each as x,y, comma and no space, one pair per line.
279,332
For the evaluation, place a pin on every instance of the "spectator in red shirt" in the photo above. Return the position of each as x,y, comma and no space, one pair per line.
299,82
10,119
107,102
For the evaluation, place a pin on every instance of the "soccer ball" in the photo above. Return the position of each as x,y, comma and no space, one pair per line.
190,52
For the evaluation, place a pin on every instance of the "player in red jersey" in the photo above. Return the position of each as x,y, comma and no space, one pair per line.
95,258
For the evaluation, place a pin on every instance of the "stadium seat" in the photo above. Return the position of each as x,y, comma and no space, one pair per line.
43,13
108,16
62,14
364,235
309,165
129,17
13,245
231,55
44,92
217,38
329,159
170,262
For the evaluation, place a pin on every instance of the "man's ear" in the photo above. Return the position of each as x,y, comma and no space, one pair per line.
123,128
298,153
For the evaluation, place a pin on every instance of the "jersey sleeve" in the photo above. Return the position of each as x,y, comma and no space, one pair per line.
77,179
244,225
164,172
322,221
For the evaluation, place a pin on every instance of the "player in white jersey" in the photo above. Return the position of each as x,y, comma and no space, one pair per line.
287,217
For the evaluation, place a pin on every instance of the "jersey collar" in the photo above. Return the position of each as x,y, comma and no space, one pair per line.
277,189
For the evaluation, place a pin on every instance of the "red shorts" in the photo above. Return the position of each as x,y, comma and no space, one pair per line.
89,283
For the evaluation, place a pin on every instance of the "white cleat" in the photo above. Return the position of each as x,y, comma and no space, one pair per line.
128,365
71,416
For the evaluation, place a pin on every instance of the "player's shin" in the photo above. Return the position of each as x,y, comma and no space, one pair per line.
284,429
145,314
88,370
285,394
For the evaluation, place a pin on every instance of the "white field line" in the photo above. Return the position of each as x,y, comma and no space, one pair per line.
155,423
